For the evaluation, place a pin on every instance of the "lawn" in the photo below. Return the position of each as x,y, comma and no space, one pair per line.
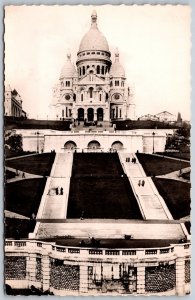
18,228
110,198
96,164
176,195
9,174
186,176
97,189
23,197
156,165
39,164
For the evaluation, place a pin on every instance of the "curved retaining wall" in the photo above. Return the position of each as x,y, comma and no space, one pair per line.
75,270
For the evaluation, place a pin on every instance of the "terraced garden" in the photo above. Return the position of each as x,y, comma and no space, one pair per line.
39,164
156,165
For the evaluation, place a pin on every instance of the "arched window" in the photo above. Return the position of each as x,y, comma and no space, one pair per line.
98,69
110,83
81,97
102,70
62,113
91,92
80,71
100,97
120,113
83,70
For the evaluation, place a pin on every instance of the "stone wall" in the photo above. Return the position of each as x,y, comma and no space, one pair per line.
131,141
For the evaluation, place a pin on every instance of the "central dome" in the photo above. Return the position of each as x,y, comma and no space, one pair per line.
94,39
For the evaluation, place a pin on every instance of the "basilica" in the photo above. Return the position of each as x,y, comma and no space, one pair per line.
96,89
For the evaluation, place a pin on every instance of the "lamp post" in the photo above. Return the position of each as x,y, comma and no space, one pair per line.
153,134
37,134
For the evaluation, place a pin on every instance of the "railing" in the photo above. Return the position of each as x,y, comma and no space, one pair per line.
51,248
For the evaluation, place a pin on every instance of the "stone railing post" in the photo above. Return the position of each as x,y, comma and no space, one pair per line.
83,285
180,276
31,268
140,279
46,272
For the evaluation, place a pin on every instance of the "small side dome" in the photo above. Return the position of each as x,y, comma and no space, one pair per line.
117,69
68,69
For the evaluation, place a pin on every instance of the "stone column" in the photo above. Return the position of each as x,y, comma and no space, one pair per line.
83,285
46,272
140,279
31,268
180,276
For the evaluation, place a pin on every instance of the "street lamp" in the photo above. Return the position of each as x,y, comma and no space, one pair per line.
37,134
153,134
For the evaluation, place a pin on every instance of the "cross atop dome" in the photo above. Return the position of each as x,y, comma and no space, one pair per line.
116,55
94,18
68,55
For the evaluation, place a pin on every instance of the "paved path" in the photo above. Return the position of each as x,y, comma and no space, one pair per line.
150,202
20,175
54,206
176,175
174,158
139,230
10,214
21,156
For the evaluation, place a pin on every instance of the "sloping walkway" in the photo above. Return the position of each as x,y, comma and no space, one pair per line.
10,214
20,175
150,202
174,158
176,175
53,205
21,156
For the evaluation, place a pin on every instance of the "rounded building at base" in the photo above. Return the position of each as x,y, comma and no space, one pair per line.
96,89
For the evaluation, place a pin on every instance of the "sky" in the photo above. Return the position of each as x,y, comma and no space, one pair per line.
153,42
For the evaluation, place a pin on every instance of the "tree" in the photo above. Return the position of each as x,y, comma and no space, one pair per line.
14,142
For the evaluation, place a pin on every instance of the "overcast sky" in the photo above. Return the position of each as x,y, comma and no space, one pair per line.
153,42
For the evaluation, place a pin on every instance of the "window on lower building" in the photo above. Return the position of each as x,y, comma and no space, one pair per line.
91,92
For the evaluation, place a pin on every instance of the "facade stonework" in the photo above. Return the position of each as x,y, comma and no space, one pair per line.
96,90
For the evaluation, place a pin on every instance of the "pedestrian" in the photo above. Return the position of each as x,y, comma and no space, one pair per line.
23,175
61,191
143,182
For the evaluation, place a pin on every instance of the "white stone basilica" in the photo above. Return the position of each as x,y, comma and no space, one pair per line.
96,90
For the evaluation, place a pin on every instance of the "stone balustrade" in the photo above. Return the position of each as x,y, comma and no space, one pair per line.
65,269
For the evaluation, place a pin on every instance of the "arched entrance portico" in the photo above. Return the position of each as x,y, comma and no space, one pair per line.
70,146
90,114
93,146
100,113
80,114
117,146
